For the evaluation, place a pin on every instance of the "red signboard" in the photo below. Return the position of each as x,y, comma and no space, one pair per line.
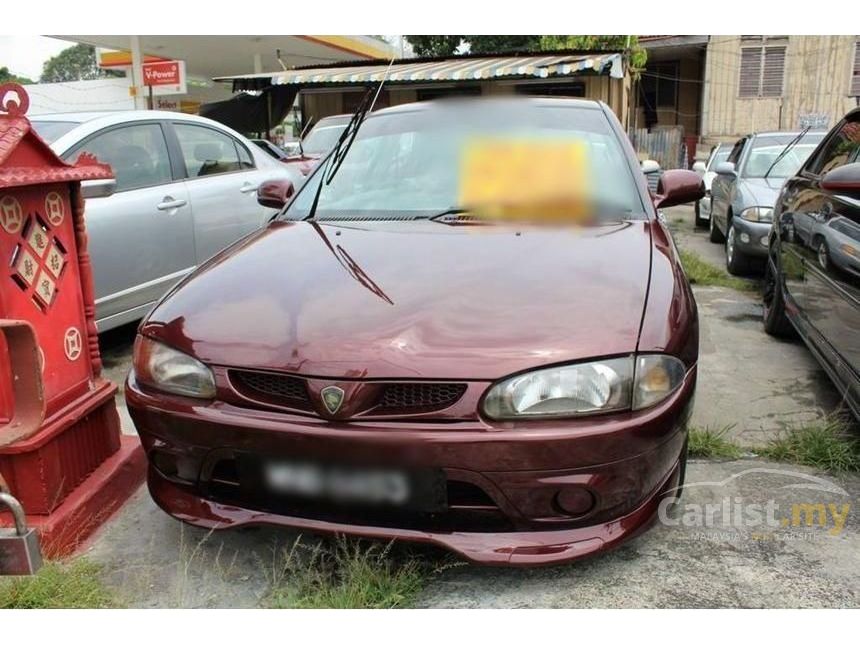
162,73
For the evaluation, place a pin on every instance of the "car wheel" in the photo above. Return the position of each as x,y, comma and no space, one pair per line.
823,255
700,221
776,322
716,237
736,262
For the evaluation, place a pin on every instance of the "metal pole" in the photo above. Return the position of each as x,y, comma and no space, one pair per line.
137,72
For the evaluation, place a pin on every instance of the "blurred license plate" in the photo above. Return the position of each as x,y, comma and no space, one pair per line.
387,487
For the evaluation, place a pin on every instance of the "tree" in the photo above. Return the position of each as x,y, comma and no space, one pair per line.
434,45
8,77
76,63
448,45
499,44
638,55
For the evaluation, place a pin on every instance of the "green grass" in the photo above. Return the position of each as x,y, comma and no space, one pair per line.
826,445
58,585
346,574
712,444
703,273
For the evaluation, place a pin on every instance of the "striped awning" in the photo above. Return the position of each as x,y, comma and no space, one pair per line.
448,70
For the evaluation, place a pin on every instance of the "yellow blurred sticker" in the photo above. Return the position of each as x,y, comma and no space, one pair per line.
534,179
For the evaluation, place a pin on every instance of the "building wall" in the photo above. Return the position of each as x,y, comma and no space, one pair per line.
321,103
816,80
686,111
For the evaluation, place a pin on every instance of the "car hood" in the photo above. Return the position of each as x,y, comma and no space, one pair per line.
413,299
756,191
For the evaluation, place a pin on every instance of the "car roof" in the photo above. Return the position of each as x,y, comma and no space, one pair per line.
116,116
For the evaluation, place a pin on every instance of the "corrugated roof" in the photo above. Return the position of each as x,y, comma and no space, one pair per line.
446,70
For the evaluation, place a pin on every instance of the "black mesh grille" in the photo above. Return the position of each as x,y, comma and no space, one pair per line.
419,396
281,388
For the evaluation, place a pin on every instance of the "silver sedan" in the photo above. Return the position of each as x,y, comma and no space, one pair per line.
185,188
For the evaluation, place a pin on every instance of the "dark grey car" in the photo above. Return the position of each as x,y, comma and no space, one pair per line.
745,189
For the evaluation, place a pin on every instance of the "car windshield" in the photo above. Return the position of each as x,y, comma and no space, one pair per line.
721,154
410,163
50,131
766,149
322,138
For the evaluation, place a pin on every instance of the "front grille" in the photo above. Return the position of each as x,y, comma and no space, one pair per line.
417,397
281,389
272,388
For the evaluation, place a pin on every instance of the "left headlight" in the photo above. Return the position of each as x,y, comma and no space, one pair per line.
167,369
761,214
586,388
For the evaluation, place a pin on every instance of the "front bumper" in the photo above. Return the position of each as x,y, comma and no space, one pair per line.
751,238
626,463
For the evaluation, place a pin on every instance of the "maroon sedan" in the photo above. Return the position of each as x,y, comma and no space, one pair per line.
380,363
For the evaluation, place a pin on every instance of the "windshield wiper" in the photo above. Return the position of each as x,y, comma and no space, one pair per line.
786,150
344,141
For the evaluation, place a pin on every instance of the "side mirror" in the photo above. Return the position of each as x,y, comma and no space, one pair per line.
650,166
275,193
699,168
678,187
844,180
726,168
92,188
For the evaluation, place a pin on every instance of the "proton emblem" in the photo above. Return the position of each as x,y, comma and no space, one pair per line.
332,397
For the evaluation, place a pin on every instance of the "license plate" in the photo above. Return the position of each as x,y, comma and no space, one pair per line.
424,490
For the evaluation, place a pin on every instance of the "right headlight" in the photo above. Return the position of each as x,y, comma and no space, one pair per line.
762,214
169,370
586,388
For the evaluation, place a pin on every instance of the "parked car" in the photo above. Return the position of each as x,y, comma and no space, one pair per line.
745,189
378,363
719,154
317,143
185,188
812,276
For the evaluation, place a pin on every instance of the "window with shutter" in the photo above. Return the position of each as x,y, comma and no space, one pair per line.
774,67
855,75
750,80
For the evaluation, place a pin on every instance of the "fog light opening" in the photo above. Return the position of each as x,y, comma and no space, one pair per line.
165,463
745,238
177,467
574,501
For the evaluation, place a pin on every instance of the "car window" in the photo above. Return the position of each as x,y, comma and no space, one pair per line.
50,131
207,151
136,153
843,148
720,155
322,138
766,149
735,154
